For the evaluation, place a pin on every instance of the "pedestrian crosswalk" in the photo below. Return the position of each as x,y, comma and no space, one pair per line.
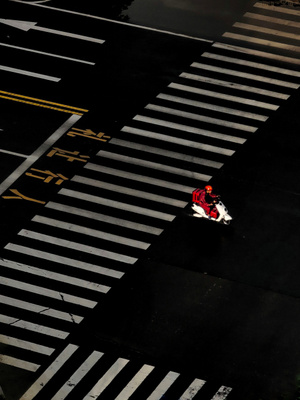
59,267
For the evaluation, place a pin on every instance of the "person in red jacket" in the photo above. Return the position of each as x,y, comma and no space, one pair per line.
207,199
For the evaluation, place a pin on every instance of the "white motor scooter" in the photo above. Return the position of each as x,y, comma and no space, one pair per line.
222,216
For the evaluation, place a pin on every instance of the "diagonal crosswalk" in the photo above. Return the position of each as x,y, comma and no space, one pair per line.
59,267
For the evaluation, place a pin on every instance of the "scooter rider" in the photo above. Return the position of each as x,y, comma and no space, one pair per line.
207,199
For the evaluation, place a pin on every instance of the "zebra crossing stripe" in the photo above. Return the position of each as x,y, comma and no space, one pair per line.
233,85
267,31
280,21
223,96
127,191
281,10
50,372
15,362
258,78
202,118
77,376
103,217
116,204
90,232
44,330
164,385
212,107
192,390
40,309
222,393
23,344
106,379
183,142
65,297
139,178
258,53
135,382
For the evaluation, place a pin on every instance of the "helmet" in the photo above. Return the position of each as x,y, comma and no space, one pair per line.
208,188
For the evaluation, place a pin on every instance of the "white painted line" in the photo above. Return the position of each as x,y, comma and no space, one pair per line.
79,247
155,166
116,22
103,217
164,385
263,42
106,379
222,393
232,72
47,54
48,274
277,9
252,64
44,330
23,344
127,191
14,362
39,152
223,96
267,31
29,73
202,118
77,376
91,232
280,21
41,310
192,390
213,107
116,204
258,53
235,86
13,153
141,178
190,129
182,142
42,290
135,382
50,372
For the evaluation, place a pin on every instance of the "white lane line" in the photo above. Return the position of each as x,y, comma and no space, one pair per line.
155,166
232,72
127,191
48,274
47,54
15,362
50,372
140,178
182,142
86,366
24,305
39,152
268,43
42,290
267,31
116,204
103,217
29,73
13,153
277,9
135,382
79,247
258,53
235,86
212,107
190,129
44,330
117,22
192,390
280,21
66,261
164,385
202,118
106,379
223,96
91,232
222,393
25,345
252,64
